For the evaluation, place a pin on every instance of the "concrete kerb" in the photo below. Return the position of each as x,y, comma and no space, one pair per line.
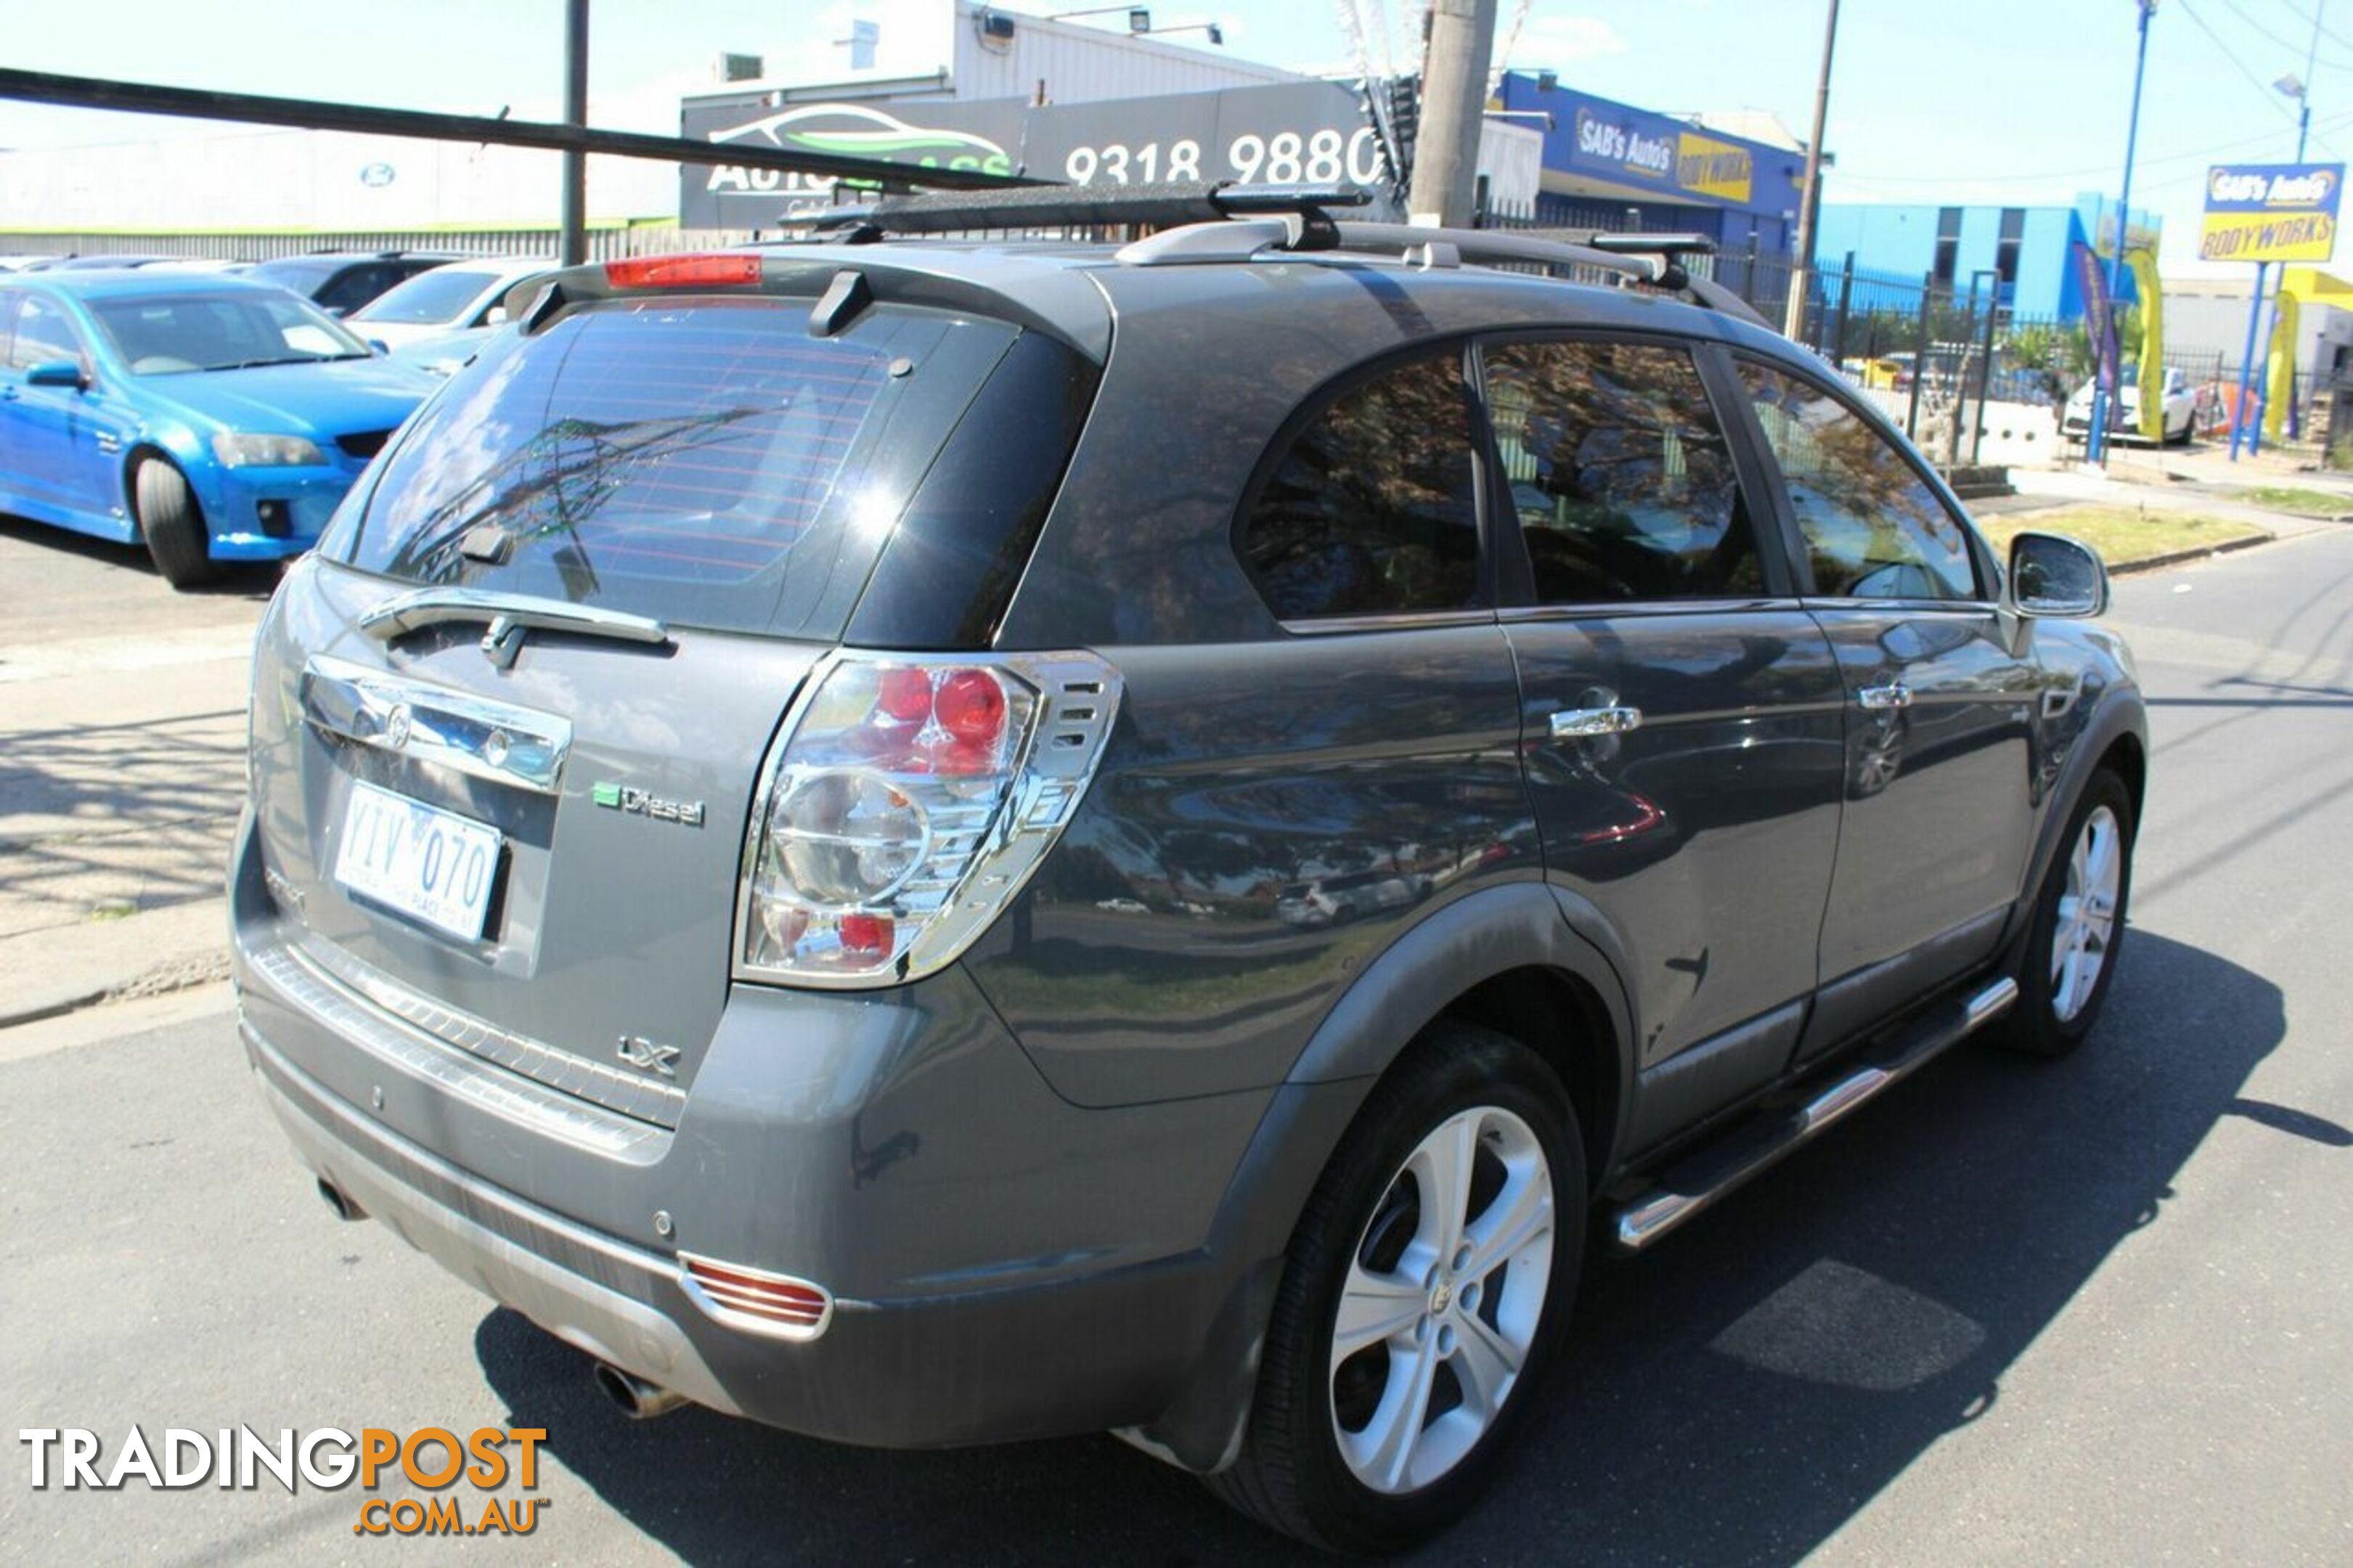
57,970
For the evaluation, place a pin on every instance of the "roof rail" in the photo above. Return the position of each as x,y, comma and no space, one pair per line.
1062,207
1647,261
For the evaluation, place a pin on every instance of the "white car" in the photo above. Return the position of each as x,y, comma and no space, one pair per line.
2124,410
463,296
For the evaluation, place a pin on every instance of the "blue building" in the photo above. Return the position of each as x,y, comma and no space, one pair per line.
1607,165
2028,250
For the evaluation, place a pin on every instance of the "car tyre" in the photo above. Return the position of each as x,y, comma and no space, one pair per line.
1453,1316
172,524
2078,930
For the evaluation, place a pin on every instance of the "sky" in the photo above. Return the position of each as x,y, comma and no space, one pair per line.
2018,102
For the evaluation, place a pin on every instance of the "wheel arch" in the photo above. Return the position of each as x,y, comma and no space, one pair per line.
177,448
1506,958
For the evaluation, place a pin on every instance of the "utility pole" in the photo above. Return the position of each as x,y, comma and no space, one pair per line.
1810,200
1453,108
572,213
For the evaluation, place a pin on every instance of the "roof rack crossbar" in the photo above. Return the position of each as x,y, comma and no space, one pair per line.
1063,206
1648,260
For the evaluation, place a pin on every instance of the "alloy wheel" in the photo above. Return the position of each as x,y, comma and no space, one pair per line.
1442,1300
2085,928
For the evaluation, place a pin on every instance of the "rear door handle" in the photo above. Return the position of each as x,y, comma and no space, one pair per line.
1893,695
1576,722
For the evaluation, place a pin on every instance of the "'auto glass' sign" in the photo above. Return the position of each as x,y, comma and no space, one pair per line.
1311,132
2271,212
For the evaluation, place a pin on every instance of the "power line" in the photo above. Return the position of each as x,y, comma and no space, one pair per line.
2309,21
2294,51
2261,86
2200,155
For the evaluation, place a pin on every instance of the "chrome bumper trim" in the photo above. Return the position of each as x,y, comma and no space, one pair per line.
406,1047
631,1094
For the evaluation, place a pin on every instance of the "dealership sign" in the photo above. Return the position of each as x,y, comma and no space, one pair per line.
1305,131
1646,154
2271,212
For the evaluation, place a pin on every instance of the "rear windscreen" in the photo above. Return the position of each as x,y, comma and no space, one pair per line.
703,461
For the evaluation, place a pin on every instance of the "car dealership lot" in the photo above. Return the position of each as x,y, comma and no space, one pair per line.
2095,1311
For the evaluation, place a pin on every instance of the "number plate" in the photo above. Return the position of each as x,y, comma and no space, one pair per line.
427,863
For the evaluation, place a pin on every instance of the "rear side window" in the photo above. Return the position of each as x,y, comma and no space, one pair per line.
42,336
701,461
1621,475
1373,509
1872,528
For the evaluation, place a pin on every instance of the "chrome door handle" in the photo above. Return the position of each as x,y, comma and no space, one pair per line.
1894,694
1578,723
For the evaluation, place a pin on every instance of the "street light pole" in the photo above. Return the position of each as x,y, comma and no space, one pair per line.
2096,437
1810,200
2299,88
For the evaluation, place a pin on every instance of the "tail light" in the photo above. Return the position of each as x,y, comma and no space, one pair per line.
905,801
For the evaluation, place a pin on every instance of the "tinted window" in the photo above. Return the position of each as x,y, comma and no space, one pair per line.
1620,475
1373,509
357,286
9,303
1872,528
706,462
172,334
43,336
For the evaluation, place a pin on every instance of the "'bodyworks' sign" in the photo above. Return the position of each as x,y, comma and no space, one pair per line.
2271,212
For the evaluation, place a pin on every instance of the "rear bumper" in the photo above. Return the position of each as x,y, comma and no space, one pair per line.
1003,1265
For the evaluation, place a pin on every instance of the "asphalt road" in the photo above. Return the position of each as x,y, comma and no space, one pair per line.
2100,1311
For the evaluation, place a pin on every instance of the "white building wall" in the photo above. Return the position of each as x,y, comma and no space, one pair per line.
240,180
1085,65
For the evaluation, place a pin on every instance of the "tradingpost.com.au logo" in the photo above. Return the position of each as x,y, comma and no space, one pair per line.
325,1458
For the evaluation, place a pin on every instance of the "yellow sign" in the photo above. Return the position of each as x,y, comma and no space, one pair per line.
1710,168
2258,236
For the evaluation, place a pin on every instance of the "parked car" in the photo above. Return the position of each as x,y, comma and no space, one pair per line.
109,261
716,796
208,418
2124,410
464,297
340,281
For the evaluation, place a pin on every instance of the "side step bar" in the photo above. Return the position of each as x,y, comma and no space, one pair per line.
1699,1179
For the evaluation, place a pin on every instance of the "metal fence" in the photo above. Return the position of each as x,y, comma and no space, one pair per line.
1938,353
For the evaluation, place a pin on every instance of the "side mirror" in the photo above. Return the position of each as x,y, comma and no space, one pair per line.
378,346
57,372
338,311
496,317
2054,577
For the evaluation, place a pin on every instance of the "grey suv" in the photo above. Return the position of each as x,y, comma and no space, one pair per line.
937,842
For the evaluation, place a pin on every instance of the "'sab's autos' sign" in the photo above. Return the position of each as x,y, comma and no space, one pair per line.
2271,212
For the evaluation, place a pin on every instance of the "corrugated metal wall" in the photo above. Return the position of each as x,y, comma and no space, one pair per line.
603,243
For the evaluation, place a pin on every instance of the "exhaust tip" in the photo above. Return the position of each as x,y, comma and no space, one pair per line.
635,1398
339,1201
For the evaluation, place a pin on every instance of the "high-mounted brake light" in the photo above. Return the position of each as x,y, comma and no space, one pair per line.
907,800
681,271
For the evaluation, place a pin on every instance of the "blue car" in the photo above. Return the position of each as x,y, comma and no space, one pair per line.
209,418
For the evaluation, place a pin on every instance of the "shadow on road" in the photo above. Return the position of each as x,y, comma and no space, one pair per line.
1733,1398
254,580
